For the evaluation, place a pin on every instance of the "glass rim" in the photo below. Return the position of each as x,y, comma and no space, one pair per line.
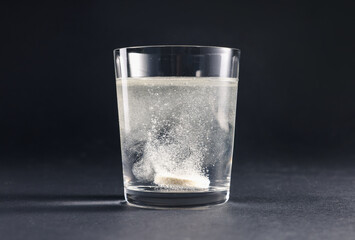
177,46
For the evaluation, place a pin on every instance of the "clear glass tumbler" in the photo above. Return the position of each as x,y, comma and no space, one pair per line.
177,109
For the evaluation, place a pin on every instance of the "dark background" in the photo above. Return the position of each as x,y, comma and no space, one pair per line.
59,135
297,82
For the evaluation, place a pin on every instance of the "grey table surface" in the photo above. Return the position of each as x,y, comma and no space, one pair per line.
75,200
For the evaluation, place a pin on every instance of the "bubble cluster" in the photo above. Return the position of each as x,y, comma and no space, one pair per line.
173,125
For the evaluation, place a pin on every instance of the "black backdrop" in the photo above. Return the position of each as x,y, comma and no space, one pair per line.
296,94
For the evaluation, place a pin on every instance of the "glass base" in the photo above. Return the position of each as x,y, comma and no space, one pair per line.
152,198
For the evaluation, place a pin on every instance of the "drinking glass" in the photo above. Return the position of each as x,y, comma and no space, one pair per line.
177,109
